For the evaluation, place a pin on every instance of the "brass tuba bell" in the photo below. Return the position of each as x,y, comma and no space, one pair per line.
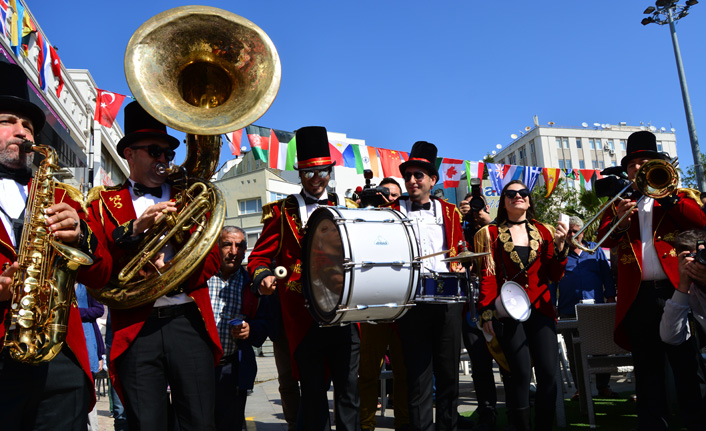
203,71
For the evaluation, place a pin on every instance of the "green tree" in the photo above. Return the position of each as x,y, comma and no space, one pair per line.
688,179
569,201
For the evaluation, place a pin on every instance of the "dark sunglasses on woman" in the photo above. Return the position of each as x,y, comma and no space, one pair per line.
512,193
156,151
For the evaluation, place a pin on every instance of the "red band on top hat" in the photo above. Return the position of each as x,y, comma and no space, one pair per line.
150,131
419,159
317,161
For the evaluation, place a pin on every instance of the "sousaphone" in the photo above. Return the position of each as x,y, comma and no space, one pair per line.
203,71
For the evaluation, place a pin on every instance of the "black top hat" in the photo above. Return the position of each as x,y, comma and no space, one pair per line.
141,125
14,95
644,145
313,149
423,154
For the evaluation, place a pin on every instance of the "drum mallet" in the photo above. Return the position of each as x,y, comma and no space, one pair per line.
280,272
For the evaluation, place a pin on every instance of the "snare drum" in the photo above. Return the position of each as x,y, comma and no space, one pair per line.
442,288
359,265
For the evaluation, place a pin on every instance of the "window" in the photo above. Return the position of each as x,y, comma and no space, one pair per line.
623,145
523,154
532,147
582,164
659,145
558,142
566,142
613,163
276,196
591,144
611,146
250,206
578,143
252,239
601,165
561,164
567,163
598,144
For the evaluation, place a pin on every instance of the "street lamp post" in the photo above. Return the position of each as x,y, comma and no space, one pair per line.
662,14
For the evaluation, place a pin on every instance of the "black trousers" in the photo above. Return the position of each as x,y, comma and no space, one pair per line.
230,399
481,366
172,352
54,395
326,354
525,344
431,341
650,356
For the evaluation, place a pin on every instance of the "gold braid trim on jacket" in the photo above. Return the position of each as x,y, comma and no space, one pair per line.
73,193
482,243
693,194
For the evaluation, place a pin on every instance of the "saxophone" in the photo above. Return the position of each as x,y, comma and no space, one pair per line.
43,286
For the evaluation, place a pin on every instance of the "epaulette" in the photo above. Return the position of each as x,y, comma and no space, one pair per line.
95,192
482,243
267,212
74,193
550,228
692,193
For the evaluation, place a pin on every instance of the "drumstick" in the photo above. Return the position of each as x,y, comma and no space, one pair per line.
280,272
432,255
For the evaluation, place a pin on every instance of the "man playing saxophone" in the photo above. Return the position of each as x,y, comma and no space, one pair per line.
54,390
172,341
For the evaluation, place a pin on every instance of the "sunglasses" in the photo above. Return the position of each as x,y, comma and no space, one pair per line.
418,175
155,151
512,193
321,173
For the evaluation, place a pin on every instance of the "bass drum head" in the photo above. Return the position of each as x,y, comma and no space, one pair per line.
322,265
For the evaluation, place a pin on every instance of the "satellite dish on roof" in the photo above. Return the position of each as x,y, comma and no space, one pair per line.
513,136
551,123
498,146
597,124
584,124
653,128
527,129
493,152
663,129
673,129
607,126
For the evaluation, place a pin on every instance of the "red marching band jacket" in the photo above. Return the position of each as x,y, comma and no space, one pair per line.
685,215
281,243
94,276
545,268
110,208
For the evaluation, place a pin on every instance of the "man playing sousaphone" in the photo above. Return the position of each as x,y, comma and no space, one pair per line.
531,254
40,392
172,341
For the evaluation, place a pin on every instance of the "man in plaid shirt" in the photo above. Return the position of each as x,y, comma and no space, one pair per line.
243,321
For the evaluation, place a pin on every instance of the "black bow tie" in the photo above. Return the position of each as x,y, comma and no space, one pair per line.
418,207
312,201
141,190
22,176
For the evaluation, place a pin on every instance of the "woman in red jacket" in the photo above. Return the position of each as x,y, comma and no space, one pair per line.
531,254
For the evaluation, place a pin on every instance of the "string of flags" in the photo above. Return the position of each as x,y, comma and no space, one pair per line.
277,148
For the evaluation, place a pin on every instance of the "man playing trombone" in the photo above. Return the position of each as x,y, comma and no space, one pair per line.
647,276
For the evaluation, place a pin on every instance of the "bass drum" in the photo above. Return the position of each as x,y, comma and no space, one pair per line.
358,265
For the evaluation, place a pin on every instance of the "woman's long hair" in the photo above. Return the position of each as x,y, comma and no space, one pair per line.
502,211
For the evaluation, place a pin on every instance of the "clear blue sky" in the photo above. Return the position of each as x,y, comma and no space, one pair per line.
464,75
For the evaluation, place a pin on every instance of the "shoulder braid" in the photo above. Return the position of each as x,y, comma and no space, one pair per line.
482,243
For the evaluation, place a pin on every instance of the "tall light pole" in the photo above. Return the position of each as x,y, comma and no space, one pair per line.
662,13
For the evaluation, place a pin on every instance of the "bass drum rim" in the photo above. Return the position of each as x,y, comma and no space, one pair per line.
320,316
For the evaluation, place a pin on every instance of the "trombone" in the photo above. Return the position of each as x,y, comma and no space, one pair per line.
655,179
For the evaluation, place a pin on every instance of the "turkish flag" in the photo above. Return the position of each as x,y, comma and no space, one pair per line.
56,69
107,107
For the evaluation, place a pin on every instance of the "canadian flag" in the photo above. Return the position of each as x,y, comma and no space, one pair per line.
107,107
450,172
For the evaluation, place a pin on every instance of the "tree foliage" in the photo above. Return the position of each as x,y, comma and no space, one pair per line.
569,201
688,178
